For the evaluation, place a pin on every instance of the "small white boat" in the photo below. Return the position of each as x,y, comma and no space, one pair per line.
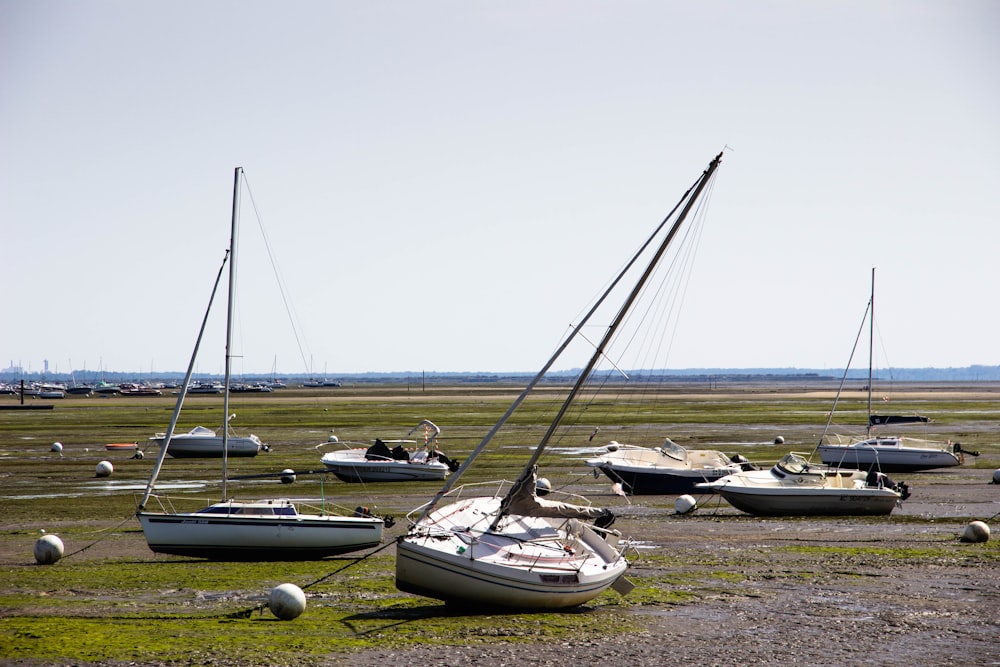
380,463
796,487
667,470
203,443
262,530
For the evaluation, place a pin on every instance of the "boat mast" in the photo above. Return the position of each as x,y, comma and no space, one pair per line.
450,482
871,346
183,393
229,328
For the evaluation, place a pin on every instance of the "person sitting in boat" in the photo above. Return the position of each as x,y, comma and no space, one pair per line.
378,451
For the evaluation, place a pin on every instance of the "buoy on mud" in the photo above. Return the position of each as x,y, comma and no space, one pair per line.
48,549
542,486
780,440
287,476
332,438
104,469
685,504
977,531
996,476
56,447
287,601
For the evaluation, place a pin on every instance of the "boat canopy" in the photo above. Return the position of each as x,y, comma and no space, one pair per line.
879,420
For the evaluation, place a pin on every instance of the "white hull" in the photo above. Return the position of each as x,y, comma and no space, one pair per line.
531,563
255,536
204,443
888,454
794,487
662,470
351,466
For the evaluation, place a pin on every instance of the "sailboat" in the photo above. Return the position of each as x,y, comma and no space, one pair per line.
887,453
511,548
257,530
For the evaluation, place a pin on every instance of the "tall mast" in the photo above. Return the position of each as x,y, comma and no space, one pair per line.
871,346
229,328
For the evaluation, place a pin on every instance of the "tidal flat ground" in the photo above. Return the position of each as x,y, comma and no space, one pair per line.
713,587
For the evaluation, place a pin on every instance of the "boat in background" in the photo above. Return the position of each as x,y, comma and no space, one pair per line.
796,487
254,530
512,548
203,443
666,470
380,463
884,453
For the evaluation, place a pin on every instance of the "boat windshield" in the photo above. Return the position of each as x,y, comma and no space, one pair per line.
793,463
673,450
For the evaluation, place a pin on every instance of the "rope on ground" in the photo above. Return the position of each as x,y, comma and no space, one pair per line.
247,613
108,532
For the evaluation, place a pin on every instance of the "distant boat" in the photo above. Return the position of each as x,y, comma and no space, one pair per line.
201,442
796,487
121,446
206,388
107,389
885,453
255,530
380,463
666,470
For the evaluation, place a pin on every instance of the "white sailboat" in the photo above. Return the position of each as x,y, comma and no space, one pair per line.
886,453
254,530
509,547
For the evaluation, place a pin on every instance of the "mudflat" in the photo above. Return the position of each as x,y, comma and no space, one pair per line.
713,587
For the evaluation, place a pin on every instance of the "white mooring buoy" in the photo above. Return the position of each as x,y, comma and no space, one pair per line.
996,476
48,549
685,504
977,531
780,440
56,447
104,469
287,476
287,601
542,486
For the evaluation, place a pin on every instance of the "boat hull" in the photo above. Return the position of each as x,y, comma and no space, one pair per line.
186,446
661,482
887,458
533,564
352,467
811,502
300,537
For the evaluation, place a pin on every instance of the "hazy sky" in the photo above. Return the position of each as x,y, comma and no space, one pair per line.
444,184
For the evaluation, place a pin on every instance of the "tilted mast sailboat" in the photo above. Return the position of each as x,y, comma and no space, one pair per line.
514,549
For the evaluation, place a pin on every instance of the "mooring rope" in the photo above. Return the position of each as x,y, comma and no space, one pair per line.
247,613
107,533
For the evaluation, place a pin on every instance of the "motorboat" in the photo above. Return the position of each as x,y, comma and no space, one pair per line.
796,487
392,460
665,470
203,443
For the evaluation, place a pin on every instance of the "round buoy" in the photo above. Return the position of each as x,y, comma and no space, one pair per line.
542,486
48,549
287,476
138,454
977,531
685,504
332,438
287,601
104,469
780,440
996,476
56,447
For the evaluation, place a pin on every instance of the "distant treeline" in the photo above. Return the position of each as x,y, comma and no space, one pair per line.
707,375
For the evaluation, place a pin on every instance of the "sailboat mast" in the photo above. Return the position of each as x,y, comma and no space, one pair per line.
450,482
229,328
871,347
620,317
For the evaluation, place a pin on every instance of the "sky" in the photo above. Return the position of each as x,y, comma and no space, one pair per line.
444,184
